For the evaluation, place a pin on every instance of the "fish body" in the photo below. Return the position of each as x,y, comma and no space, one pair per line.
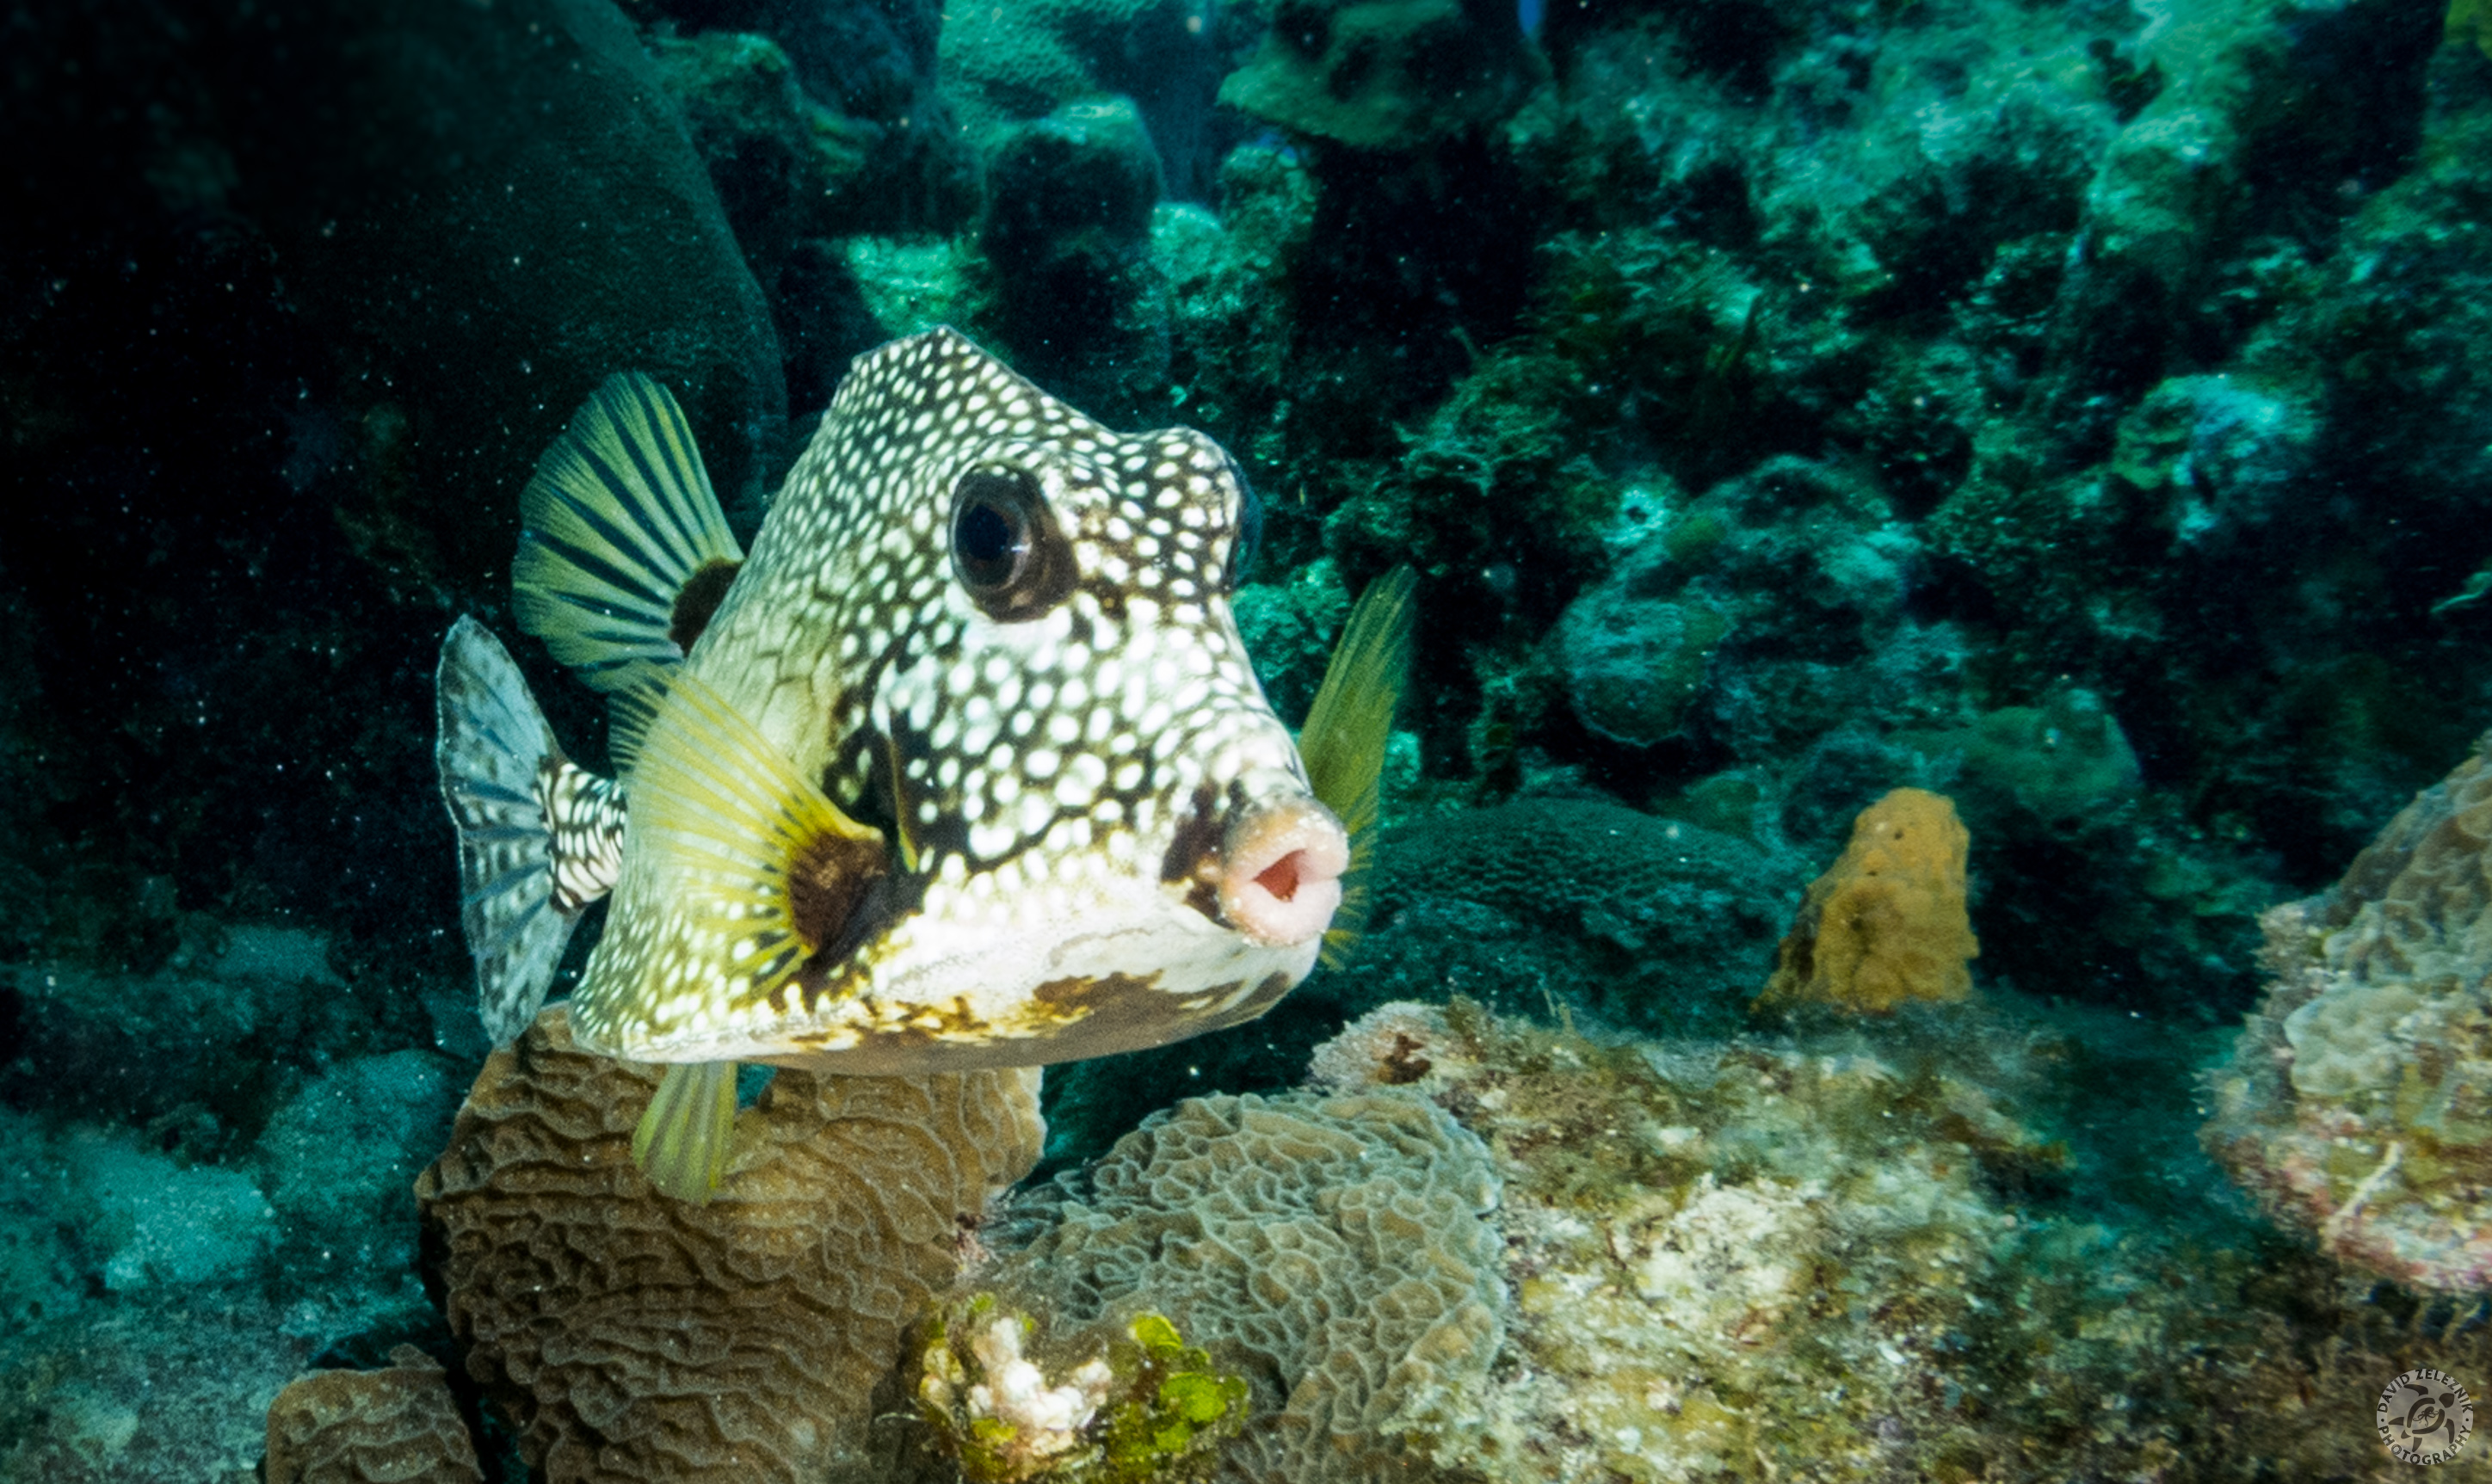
964,766
1065,744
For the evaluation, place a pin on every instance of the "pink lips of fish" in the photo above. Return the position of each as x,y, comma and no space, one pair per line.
1280,873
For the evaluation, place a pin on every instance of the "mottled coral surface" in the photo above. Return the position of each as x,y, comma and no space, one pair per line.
398,1425
2357,1102
1335,1248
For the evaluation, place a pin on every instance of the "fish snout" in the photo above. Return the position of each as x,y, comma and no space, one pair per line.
1280,869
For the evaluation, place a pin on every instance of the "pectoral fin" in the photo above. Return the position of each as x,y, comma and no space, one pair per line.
1343,744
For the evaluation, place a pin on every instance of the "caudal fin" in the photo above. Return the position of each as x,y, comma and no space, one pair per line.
492,746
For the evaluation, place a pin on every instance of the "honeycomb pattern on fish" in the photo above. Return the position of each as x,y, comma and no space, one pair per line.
1058,755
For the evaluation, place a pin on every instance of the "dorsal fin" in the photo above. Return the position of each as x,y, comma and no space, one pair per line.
1343,742
624,552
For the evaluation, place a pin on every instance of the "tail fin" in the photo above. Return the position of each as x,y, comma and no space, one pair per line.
493,744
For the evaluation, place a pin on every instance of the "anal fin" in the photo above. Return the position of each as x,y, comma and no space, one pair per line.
685,1134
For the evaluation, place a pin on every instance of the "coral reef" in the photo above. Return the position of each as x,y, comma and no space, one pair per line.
1148,1410
1386,74
1011,63
393,1426
629,1336
785,165
470,248
1651,923
1843,1259
2355,1102
1335,1249
2078,411
818,121
1887,923
1068,217
168,1264
1761,616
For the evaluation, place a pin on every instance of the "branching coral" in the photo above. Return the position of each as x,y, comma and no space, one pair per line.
2357,1102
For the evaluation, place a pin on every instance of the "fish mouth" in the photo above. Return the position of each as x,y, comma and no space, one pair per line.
1280,872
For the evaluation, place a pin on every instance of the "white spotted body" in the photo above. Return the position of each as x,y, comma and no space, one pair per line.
1062,768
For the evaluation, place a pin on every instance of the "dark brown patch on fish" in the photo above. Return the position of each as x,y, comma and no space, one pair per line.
826,882
699,599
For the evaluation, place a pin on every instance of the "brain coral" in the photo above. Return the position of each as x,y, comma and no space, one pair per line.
1654,922
2358,1101
1887,923
1335,1248
398,1425
631,1337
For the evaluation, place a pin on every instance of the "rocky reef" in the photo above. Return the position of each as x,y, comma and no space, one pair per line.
2078,415
2353,1104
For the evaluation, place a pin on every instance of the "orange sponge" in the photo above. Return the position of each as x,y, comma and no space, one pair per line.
1887,923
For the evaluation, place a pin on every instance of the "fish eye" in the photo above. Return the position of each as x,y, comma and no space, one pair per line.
1005,548
989,532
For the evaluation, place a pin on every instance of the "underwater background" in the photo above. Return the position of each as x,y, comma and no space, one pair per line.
2077,416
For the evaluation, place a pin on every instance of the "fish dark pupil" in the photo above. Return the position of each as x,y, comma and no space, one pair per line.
986,538
989,535
1007,550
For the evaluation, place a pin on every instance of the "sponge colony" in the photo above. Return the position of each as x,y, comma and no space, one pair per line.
1887,923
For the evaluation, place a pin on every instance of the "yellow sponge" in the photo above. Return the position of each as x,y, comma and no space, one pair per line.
1886,924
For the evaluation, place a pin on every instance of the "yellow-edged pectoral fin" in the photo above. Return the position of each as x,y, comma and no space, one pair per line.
684,1136
736,871
629,711
1347,727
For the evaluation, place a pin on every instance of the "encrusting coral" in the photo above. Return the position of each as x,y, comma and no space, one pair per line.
1145,1410
2357,1102
1695,1240
397,1425
1887,923
628,1336
1655,923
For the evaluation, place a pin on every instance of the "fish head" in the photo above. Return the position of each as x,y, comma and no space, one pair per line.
1021,663
1114,836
